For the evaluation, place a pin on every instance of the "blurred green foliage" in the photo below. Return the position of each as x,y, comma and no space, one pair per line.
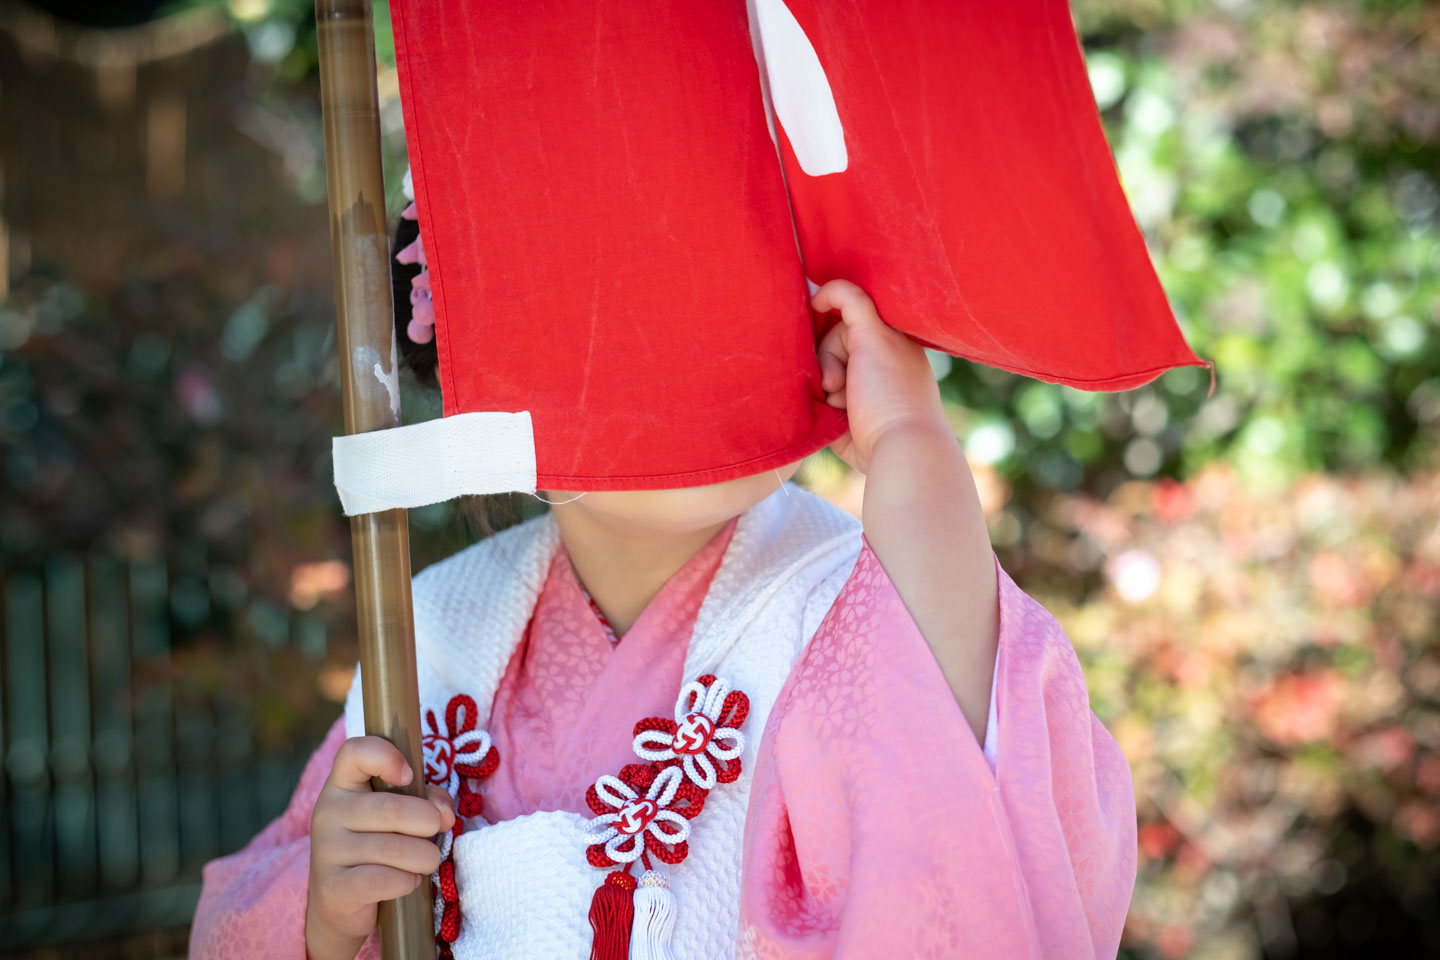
281,33
1280,158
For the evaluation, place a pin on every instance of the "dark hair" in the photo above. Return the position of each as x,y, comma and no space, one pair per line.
486,514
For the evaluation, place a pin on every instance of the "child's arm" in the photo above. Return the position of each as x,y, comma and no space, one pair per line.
1031,854
873,828
921,512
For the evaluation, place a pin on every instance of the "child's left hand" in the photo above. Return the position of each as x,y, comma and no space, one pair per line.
877,374
921,510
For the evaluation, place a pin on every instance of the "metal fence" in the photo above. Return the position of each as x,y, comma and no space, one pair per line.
122,775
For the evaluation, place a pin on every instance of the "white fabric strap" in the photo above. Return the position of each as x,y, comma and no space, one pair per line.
437,460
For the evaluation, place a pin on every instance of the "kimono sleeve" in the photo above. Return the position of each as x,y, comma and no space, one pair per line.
252,902
878,827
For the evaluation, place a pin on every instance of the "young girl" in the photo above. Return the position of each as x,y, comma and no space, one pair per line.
929,780
712,715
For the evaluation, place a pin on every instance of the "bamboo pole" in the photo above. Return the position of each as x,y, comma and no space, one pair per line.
360,251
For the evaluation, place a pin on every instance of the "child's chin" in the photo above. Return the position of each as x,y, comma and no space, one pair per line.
679,510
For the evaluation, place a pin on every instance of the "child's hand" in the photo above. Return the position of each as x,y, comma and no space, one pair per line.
365,846
875,372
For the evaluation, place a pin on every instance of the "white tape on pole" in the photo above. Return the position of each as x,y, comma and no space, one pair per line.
423,463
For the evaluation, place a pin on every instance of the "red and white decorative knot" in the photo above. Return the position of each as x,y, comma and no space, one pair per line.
704,738
454,754
644,810
457,749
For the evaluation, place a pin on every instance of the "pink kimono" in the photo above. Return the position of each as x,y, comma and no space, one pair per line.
876,826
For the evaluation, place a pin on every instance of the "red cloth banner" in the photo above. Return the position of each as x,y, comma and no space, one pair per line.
618,246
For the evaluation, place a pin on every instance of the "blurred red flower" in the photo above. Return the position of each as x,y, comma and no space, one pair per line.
1300,707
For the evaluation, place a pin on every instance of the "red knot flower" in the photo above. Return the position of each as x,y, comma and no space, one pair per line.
457,749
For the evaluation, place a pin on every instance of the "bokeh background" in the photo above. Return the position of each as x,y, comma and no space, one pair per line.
1252,579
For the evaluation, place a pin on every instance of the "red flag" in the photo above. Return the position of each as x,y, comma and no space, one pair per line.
612,228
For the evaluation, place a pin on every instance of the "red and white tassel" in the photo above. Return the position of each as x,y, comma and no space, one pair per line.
612,911
654,918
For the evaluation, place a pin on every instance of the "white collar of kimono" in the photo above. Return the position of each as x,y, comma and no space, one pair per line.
471,610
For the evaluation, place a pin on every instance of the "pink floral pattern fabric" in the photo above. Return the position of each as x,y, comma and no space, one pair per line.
252,903
876,826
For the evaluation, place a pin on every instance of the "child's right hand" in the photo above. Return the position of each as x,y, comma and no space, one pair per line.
366,846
